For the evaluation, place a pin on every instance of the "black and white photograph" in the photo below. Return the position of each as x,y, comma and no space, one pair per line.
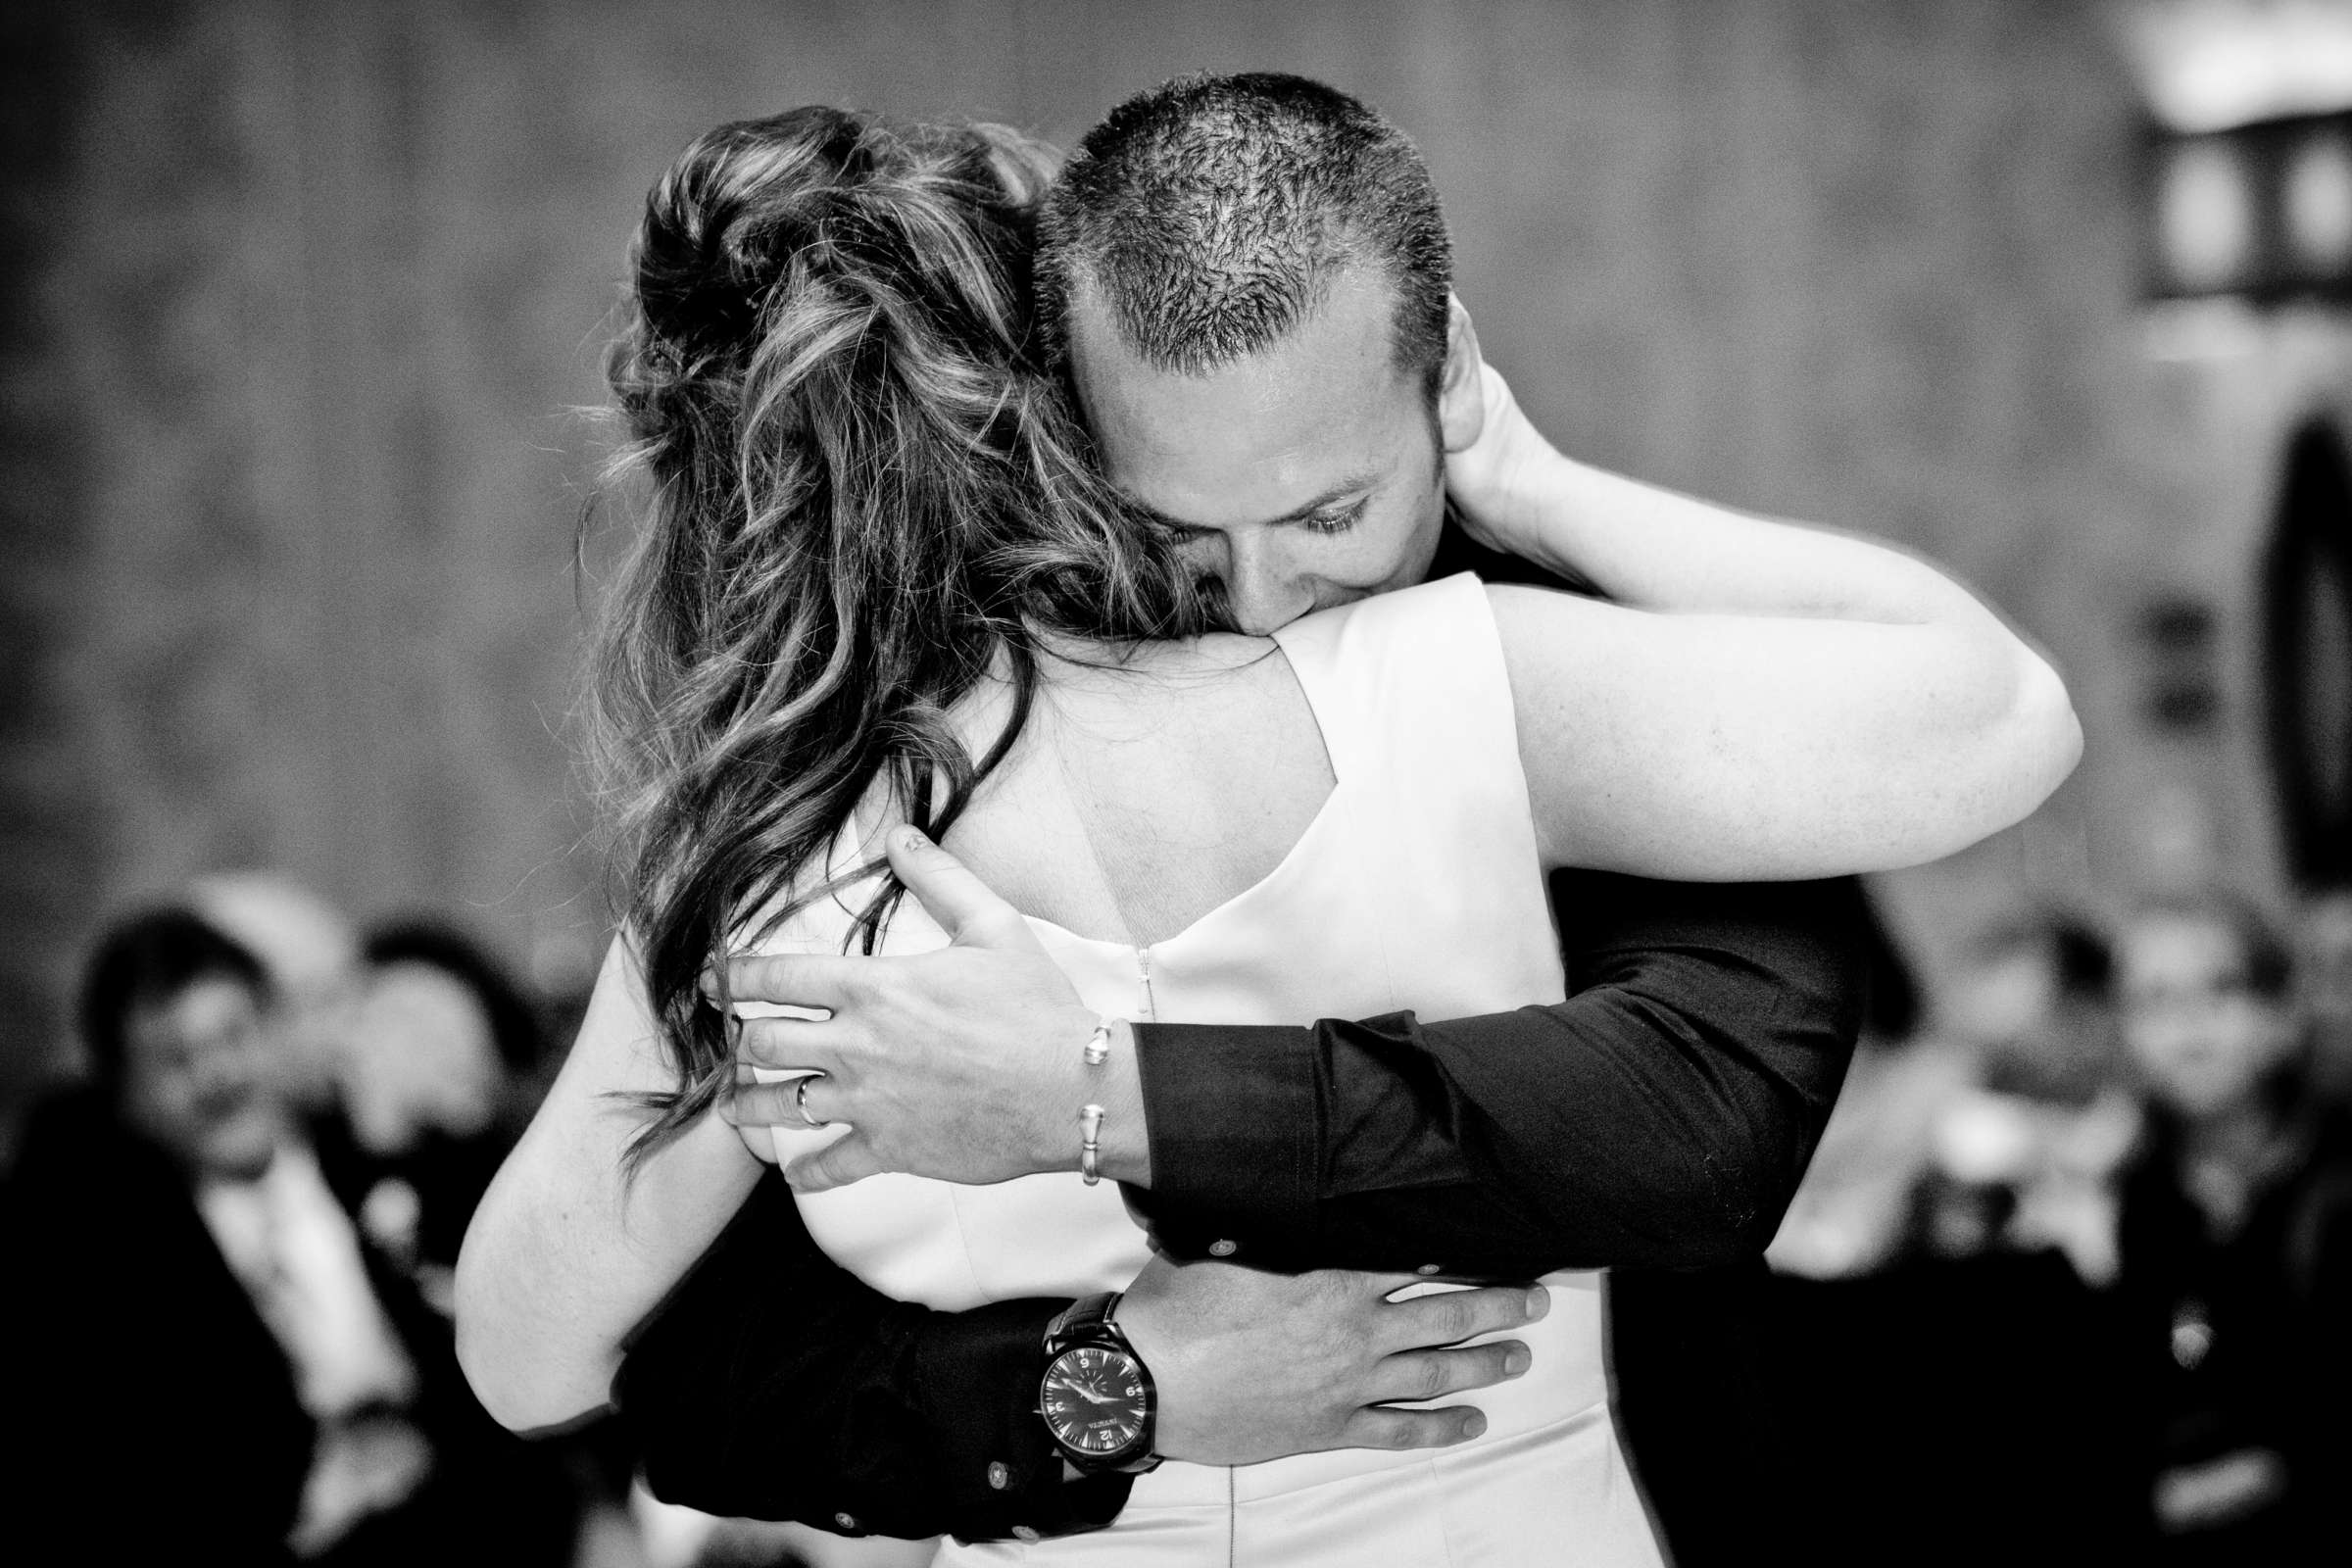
1371,783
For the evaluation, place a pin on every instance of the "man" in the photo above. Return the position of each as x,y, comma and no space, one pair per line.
209,1360
1247,279
2235,1235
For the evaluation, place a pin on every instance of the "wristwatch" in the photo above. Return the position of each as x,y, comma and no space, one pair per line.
1097,1395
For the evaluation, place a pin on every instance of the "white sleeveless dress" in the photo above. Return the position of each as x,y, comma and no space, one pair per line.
1416,887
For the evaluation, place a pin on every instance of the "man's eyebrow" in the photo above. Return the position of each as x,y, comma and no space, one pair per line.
1353,485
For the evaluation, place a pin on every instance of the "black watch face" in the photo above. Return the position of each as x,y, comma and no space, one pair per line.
1094,1401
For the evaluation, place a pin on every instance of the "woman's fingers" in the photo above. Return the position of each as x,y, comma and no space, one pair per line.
812,980
781,1105
788,1043
966,908
845,1160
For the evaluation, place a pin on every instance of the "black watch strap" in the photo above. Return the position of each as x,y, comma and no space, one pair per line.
1084,1313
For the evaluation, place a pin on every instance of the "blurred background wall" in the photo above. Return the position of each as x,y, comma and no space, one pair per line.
300,304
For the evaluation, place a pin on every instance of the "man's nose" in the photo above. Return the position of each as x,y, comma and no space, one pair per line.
1263,594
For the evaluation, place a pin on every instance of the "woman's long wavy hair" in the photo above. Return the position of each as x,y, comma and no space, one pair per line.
867,491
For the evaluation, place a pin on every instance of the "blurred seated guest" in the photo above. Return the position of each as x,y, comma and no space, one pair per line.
208,1360
2237,1242
434,1054
205,1357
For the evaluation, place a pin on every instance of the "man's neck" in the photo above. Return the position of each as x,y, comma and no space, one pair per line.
1457,552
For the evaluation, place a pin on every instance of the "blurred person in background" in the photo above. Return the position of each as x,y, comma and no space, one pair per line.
1946,1355
210,1360
437,1069
2236,1245
2022,1153
1998,1127
438,1047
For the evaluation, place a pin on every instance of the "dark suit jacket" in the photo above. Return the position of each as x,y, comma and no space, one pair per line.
155,1414
155,1417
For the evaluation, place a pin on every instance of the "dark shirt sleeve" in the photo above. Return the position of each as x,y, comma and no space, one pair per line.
774,1384
1661,1115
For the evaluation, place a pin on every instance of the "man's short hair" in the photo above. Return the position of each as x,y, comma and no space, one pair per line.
145,960
1212,214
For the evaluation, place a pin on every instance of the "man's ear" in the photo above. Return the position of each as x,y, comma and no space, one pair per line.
1461,388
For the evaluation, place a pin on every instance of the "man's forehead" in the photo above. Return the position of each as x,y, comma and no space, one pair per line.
1285,424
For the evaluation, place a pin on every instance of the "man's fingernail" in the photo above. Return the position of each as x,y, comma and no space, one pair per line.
1539,1302
911,837
1515,1362
1473,1424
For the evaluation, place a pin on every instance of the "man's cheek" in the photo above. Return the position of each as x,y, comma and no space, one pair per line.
1405,541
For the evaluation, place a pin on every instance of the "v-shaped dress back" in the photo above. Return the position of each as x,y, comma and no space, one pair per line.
1416,887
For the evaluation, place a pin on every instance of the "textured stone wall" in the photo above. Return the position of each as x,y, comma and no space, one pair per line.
303,298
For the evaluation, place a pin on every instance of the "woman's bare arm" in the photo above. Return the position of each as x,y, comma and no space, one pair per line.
1721,748
565,1257
1757,699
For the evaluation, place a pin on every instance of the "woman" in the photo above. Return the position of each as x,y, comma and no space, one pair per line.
436,1049
878,555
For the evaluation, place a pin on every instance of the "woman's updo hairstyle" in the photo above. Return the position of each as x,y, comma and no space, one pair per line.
866,490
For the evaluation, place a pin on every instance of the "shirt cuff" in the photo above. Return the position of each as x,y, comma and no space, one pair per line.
1235,1116
977,1375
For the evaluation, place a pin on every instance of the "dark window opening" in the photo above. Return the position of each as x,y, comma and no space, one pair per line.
2306,593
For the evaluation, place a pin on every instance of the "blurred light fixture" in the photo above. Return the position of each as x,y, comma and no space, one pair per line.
2207,65
2204,215
2262,210
2317,202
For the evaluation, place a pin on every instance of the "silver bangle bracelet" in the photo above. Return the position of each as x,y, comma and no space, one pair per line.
1090,1144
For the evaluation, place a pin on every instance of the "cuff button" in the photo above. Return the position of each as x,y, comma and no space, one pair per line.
1223,1249
846,1521
1429,1268
1024,1533
999,1476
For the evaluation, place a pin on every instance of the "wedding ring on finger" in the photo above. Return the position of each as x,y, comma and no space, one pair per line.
799,1102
